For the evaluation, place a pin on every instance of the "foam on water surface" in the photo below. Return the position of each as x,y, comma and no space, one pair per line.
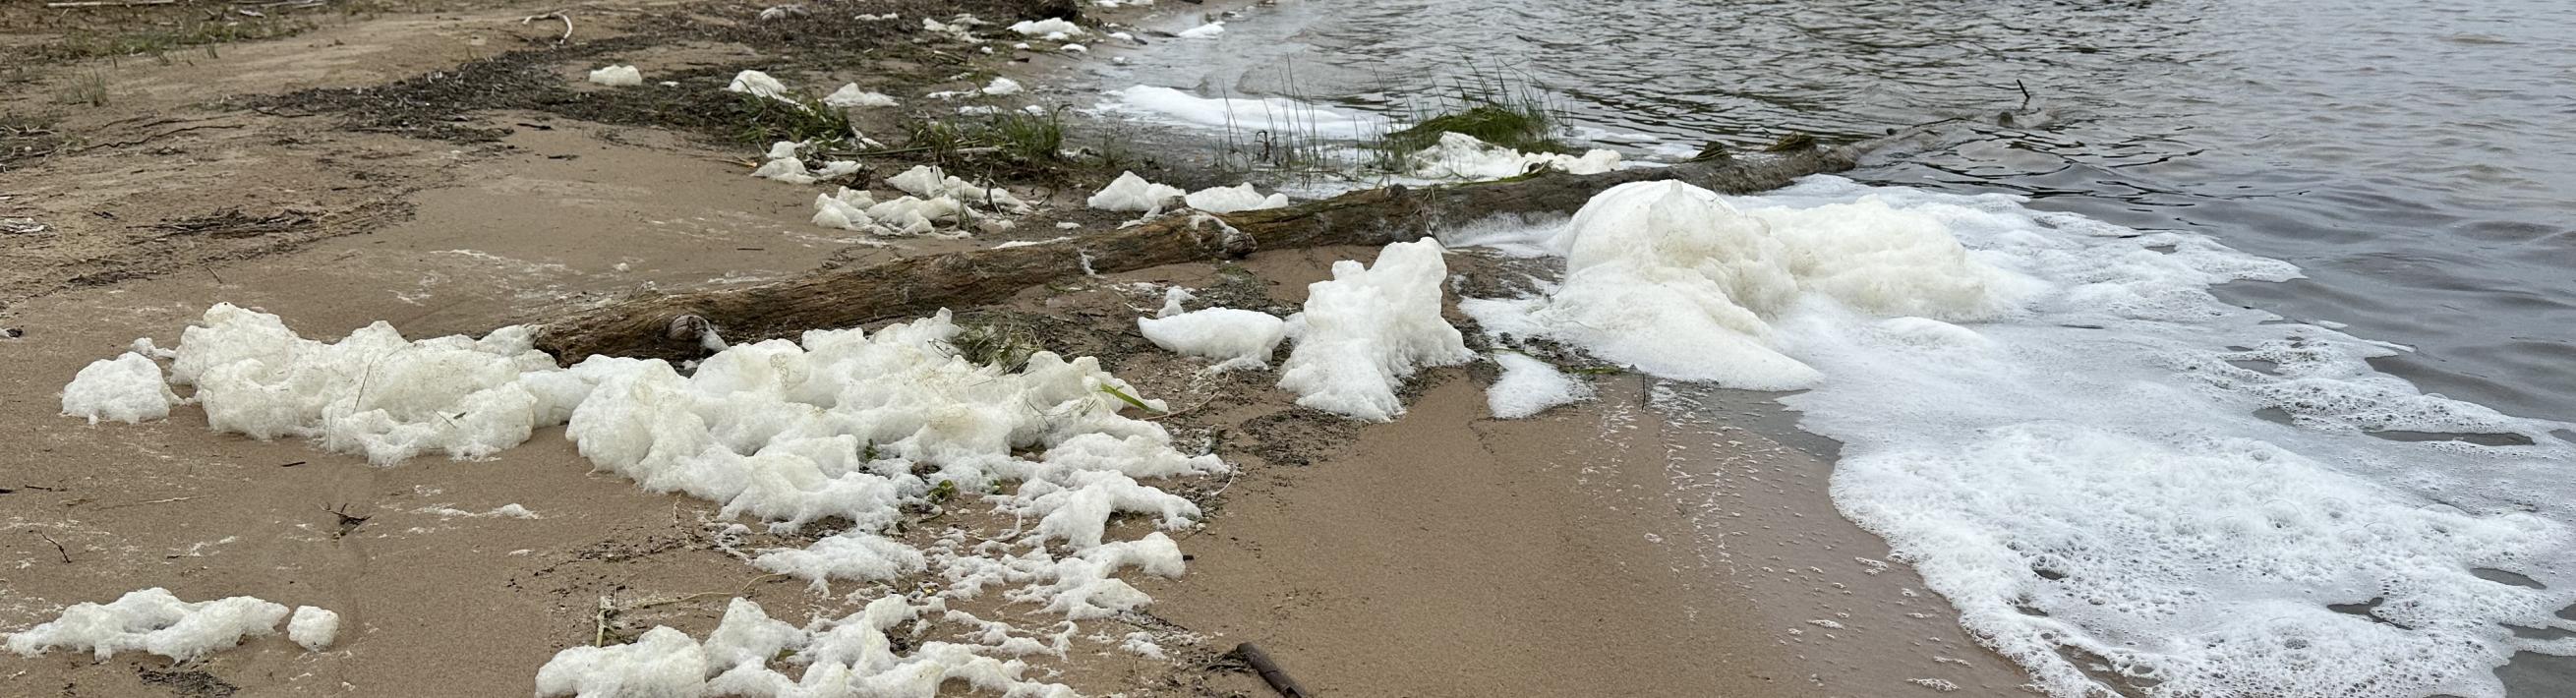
1274,114
2050,418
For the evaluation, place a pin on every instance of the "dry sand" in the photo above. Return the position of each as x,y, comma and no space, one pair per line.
1613,548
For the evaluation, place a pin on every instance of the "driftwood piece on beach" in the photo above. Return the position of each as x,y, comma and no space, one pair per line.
673,326
1270,671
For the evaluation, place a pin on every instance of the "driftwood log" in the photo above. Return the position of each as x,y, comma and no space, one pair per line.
674,326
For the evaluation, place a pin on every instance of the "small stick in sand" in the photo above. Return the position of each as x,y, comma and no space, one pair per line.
1270,671
557,14
58,547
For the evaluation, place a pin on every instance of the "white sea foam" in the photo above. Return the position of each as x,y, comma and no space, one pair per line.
1367,329
1529,386
1274,114
2039,411
841,423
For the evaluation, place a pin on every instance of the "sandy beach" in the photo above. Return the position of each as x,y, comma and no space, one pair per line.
450,168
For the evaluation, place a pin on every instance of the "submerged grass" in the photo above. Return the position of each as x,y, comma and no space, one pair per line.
1493,106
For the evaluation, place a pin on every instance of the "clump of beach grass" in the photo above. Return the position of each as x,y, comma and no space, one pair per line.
796,118
997,341
1490,105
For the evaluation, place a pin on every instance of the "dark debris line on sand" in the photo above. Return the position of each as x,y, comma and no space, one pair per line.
437,105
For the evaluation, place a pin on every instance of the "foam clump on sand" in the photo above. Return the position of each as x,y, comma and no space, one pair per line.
843,424
851,96
1051,29
1530,386
372,393
786,163
1461,156
1240,197
155,622
930,182
312,627
1132,193
618,76
835,424
1234,337
759,84
933,198
128,388
844,657
1367,329
1672,280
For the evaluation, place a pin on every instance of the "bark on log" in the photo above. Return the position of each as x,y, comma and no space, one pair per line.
672,326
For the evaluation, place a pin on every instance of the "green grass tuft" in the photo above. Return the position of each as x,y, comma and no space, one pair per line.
1524,127
765,120
1028,137
88,89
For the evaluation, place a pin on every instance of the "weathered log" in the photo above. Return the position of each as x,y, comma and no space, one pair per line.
674,326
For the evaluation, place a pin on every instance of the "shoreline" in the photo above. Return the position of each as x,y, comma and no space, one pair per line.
437,240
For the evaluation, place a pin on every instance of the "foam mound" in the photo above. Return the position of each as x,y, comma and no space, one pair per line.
1461,156
128,388
617,76
1670,279
153,621
838,423
1367,329
1132,193
1240,197
1231,336
848,656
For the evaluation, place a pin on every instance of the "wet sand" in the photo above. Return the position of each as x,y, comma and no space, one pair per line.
1592,550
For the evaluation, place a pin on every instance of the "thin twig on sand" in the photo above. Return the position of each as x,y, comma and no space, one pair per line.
58,547
557,14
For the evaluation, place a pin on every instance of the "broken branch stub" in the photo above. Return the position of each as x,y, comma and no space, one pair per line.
671,325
